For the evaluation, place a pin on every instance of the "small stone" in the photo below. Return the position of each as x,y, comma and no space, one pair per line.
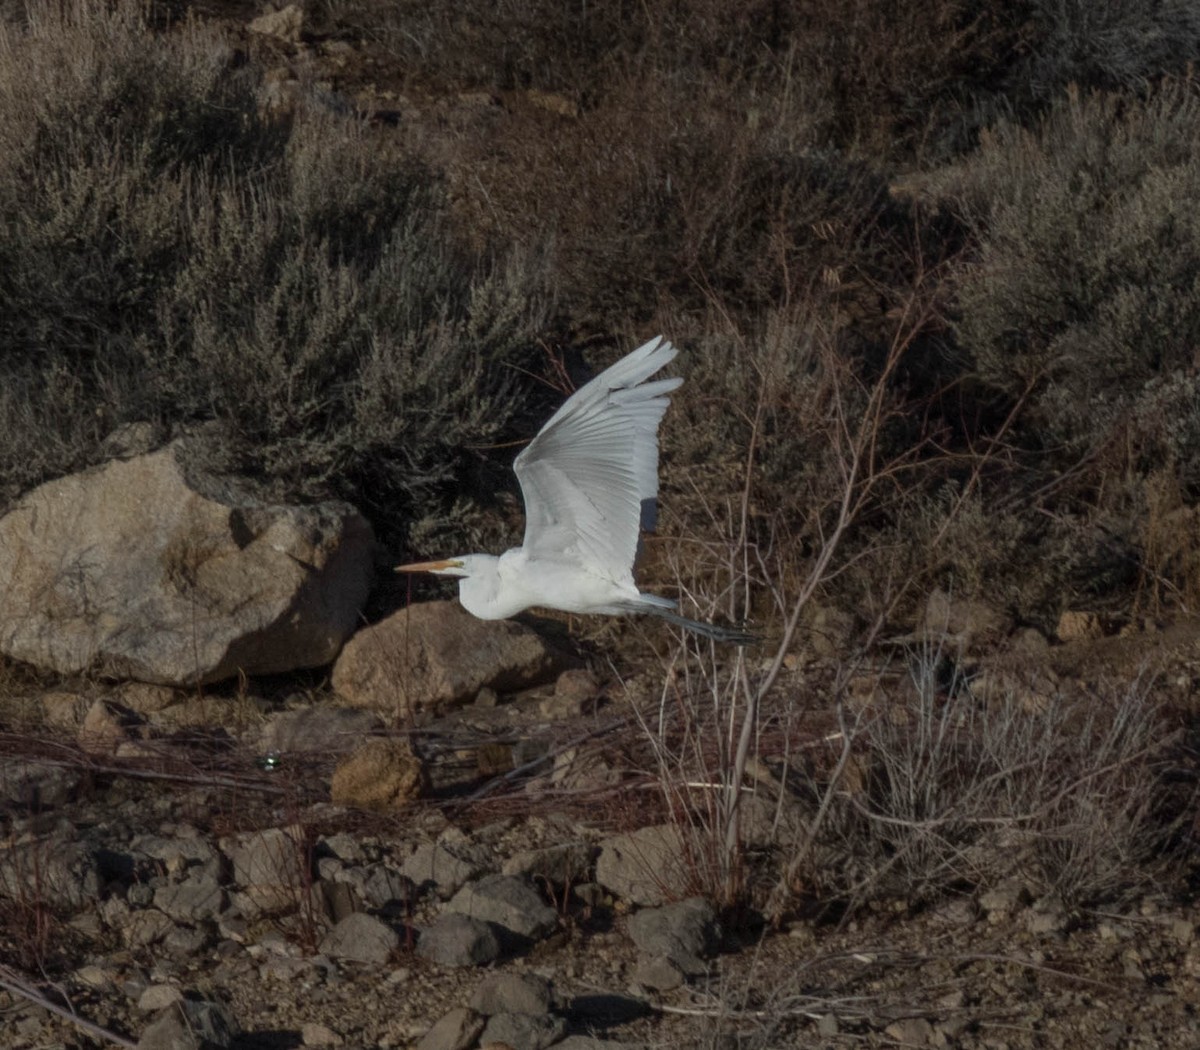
191,1025
284,24
516,993
659,972
523,1031
361,938
105,726
158,997
509,902
1183,930
827,1026
645,866
911,1031
382,774
458,940
313,1034
447,865
1074,625
681,932
456,1030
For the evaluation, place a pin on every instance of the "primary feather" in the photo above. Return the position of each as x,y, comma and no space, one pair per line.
588,472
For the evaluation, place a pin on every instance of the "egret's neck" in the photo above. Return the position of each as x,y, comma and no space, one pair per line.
490,590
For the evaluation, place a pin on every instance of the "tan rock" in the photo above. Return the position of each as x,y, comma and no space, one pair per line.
284,24
382,774
1074,626
433,655
104,729
64,710
132,571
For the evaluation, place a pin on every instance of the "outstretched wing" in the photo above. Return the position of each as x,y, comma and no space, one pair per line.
586,475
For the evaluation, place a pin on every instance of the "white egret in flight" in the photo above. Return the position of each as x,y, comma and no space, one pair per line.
587,478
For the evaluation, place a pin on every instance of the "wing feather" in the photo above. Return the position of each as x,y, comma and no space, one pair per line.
588,472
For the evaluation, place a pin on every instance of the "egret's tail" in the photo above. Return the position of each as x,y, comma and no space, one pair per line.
664,609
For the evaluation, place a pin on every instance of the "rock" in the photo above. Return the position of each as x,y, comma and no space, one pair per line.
382,774
314,1034
659,973
447,866
1075,626
508,902
966,622
523,1031
64,710
269,866
284,24
560,865
436,654
146,926
576,693
459,940
681,932
456,1030
514,993
379,885
105,727
132,571
37,786
196,898
910,1031
1005,898
157,997
145,699
320,728
361,938
177,853
645,866
191,1024
51,870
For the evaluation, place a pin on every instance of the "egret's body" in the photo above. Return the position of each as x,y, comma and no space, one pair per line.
588,478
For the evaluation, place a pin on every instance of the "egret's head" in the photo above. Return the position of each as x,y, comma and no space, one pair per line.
446,567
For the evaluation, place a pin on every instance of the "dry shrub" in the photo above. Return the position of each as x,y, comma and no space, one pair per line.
173,256
1074,795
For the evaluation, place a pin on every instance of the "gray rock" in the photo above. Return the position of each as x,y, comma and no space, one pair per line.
199,896
191,1025
179,852
157,997
523,1031
36,785
458,940
507,901
59,872
457,1030
659,972
382,885
269,866
146,926
644,867
133,571
320,728
448,865
563,864
183,942
514,993
361,938
681,932
434,655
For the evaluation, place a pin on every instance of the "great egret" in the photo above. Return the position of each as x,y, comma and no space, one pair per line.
587,479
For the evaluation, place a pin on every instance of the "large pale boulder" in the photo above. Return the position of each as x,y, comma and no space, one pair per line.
436,654
131,571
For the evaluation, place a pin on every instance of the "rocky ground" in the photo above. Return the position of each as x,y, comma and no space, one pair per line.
174,871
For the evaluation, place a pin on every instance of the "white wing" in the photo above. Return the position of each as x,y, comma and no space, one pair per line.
587,472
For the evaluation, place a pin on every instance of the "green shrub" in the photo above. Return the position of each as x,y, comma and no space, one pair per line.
172,255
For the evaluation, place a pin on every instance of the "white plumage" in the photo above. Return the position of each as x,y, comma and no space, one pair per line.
587,478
